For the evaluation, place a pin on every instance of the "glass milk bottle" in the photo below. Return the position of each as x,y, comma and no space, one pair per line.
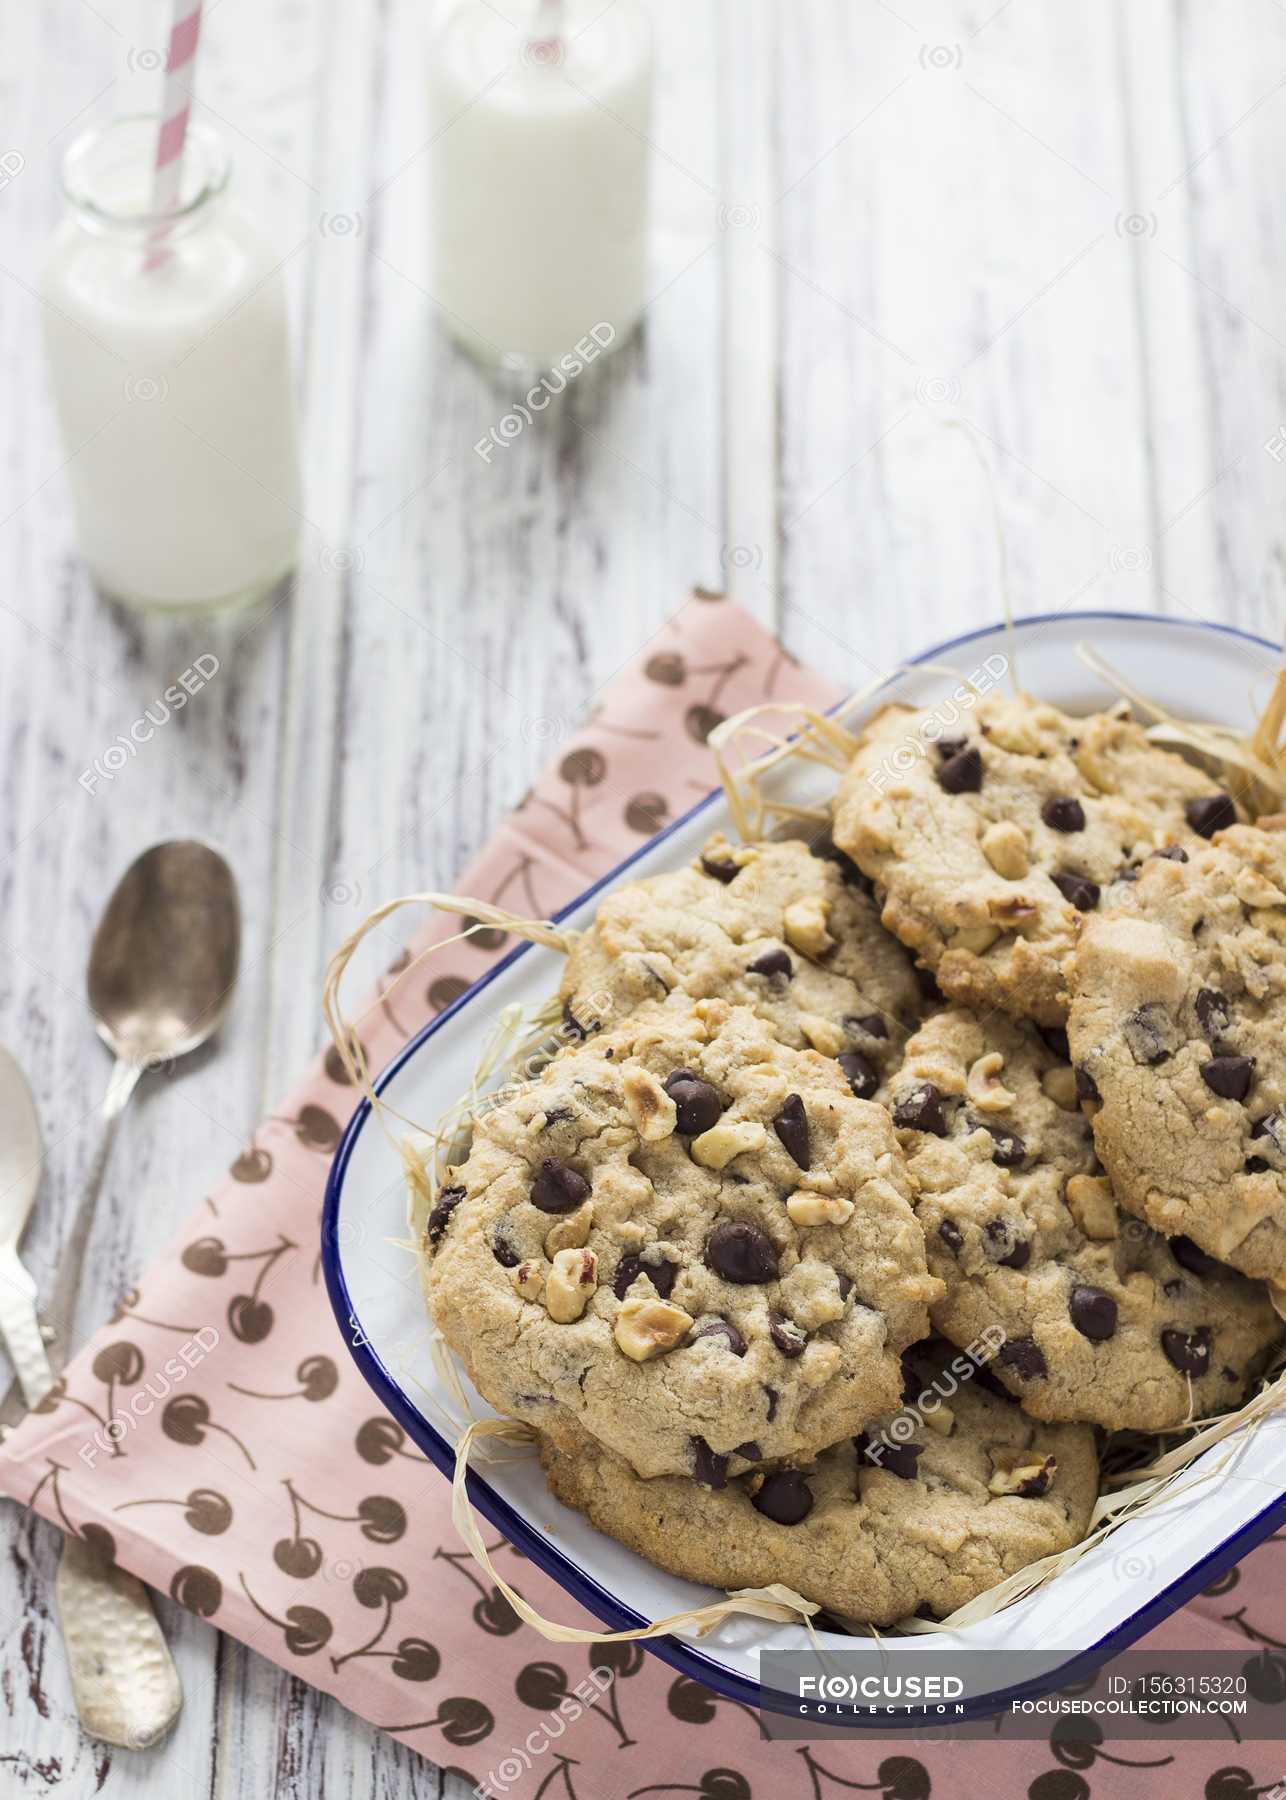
170,365
540,116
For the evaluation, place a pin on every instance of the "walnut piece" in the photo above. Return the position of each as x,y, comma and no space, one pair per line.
573,1276
823,1034
647,1328
715,1148
529,1279
571,1231
984,1086
1005,847
648,1104
804,922
1090,1202
818,1209
1025,1473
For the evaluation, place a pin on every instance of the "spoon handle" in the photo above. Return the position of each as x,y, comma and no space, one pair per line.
123,1676
20,1328
124,1079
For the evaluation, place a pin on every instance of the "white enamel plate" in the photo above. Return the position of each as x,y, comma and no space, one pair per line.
1117,1591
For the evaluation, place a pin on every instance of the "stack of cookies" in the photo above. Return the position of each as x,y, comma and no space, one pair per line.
877,1178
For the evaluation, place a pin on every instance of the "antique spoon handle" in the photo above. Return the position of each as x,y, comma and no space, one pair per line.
123,1676
20,1328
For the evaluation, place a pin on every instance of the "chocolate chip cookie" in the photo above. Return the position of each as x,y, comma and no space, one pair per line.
932,1506
1093,1315
1178,1027
792,934
688,1238
989,838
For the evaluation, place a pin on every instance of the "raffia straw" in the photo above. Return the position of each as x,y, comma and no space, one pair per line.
348,1044
775,1602
1257,757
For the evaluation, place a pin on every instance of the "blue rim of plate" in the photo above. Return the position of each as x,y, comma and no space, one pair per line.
686,1658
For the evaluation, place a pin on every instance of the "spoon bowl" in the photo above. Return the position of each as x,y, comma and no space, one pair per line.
164,958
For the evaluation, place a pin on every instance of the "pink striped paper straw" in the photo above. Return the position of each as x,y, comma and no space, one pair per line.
176,110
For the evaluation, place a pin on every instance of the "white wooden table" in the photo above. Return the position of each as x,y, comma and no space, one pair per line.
1063,225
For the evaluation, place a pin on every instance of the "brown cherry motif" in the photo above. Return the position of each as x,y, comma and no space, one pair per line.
317,1377
492,1612
445,991
186,1418
333,1062
580,770
119,1364
462,1721
414,1658
897,1778
250,1318
253,1165
696,1705
304,1629
198,1589
314,1127
647,813
381,1518
127,1308
542,1685
204,1509
380,1439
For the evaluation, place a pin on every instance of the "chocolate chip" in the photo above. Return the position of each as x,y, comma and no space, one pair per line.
921,1110
661,1273
962,773
1078,890
718,870
1147,1034
1062,813
1023,1355
1213,1013
1194,1259
861,1076
558,1189
844,1283
791,1126
1086,1088
1172,853
873,1024
740,1252
772,962
1002,1235
440,1217
1008,1149
504,1252
750,1450
722,1328
1255,1165
773,1398
787,1336
1213,812
696,1103
572,1024
1189,1351
1093,1313
708,1468
898,1459
1127,872
1229,1076
1273,1127
558,1115
951,1236
784,1497
1055,1039
948,747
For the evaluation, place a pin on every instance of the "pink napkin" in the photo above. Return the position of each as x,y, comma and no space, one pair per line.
218,1437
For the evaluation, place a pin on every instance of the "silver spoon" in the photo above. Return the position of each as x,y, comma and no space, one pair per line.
164,960
161,973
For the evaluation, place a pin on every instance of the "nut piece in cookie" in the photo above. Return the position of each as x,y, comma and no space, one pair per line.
991,837
1178,1030
909,1518
688,1239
